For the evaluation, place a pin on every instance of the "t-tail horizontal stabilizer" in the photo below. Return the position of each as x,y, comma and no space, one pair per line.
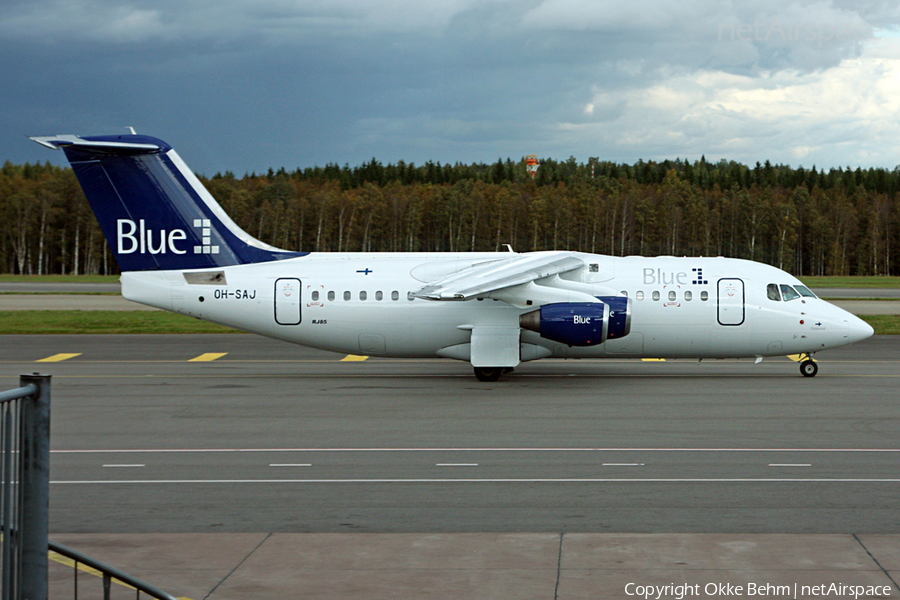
152,209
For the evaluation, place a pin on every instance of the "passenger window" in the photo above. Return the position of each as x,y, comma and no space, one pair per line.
639,295
363,295
688,296
593,268
805,291
671,295
395,295
346,295
704,296
331,295
410,297
772,292
789,293
655,295
315,296
623,293
379,295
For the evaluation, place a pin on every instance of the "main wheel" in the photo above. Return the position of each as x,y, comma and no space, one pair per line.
809,368
488,373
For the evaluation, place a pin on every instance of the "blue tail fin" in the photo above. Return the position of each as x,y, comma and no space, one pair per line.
152,209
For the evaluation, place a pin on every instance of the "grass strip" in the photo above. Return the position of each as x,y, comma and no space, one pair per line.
102,321
7,278
883,324
851,282
834,299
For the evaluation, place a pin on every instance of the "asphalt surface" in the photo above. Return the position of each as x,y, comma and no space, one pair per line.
249,475
277,438
272,471
523,566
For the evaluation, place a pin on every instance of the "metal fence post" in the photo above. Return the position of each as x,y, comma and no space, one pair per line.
35,488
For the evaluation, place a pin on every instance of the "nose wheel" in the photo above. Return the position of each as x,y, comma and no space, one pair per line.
808,367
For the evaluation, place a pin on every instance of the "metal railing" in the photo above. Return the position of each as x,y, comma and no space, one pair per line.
108,574
24,488
25,500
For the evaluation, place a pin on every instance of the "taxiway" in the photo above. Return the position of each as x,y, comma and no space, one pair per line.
238,433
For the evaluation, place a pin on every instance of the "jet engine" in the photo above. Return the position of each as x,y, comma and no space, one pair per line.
581,323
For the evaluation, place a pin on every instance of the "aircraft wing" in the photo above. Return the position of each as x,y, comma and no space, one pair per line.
484,278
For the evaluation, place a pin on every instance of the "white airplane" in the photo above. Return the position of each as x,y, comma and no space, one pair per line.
179,251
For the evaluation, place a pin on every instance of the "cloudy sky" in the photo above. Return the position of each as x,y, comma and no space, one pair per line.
244,85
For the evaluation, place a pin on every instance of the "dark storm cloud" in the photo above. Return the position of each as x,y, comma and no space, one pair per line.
246,86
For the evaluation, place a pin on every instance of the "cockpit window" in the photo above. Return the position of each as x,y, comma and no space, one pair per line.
805,291
773,293
789,293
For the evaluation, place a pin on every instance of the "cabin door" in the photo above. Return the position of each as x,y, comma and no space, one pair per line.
731,301
287,301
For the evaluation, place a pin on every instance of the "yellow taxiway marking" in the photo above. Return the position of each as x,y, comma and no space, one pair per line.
59,357
65,560
208,357
354,358
653,359
798,357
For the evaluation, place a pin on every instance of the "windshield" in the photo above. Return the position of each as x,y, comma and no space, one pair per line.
804,291
789,293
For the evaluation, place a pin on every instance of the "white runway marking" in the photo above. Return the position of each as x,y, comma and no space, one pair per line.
486,480
211,450
122,466
456,465
790,465
290,465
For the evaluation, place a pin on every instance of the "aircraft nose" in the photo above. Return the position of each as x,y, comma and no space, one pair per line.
857,329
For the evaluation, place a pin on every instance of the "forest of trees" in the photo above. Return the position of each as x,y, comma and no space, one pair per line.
808,222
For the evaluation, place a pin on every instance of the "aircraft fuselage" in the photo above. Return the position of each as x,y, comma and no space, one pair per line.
359,303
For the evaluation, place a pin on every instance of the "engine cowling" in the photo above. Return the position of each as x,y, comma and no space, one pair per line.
619,315
581,323
572,323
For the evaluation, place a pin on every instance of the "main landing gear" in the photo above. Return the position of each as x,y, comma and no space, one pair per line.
808,367
491,373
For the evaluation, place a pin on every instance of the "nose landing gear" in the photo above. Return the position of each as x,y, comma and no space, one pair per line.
808,367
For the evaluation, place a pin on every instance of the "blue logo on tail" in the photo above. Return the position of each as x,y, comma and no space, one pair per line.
207,246
155,214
